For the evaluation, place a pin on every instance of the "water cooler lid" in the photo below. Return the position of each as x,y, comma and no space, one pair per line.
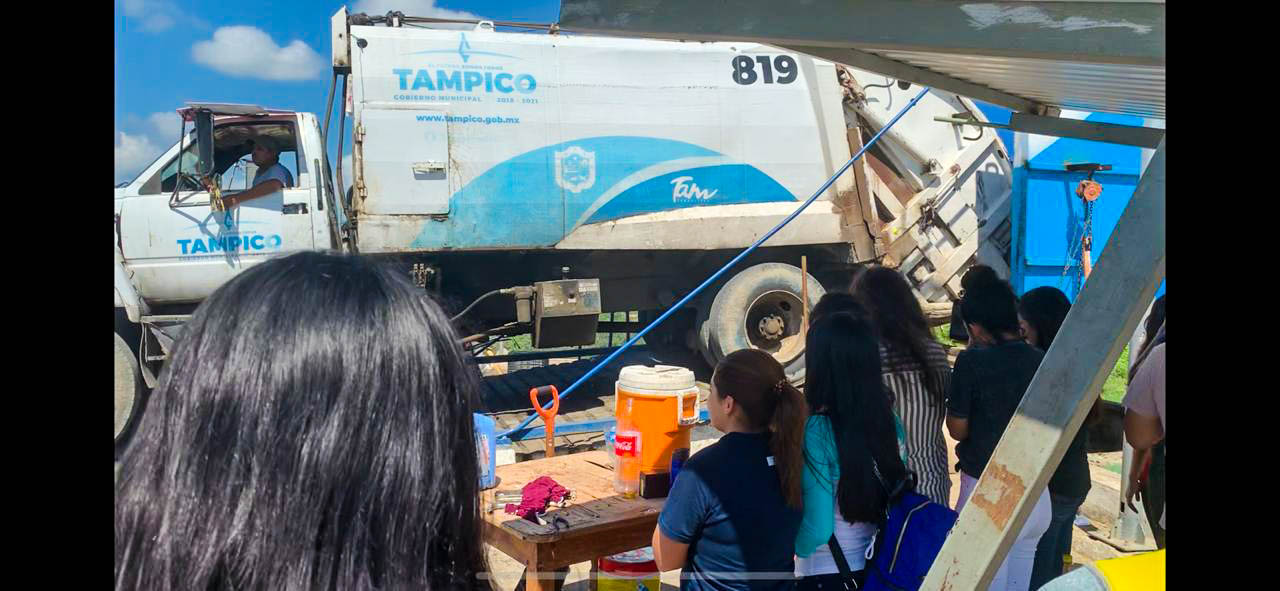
636,563
656,377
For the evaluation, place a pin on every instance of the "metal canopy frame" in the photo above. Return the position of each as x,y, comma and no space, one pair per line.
1027,56
1035,58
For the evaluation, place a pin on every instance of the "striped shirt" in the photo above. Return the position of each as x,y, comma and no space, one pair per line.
921,415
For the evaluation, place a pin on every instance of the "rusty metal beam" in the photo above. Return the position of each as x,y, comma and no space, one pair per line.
1069,380
1129,135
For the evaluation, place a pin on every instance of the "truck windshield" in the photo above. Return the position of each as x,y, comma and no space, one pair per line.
186,163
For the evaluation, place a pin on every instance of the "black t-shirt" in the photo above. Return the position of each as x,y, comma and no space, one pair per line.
987,385
1071,479
727,505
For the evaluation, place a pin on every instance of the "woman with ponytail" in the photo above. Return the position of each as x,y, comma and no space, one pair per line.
731,516
853,448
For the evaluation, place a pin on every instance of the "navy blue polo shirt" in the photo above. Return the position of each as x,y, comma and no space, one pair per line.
727,505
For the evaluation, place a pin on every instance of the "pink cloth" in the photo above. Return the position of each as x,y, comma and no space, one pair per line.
536,496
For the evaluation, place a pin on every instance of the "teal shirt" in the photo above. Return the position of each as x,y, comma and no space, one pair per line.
821,474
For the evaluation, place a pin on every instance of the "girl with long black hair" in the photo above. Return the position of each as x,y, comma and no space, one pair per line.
313,430
853,448
1041,312
914,367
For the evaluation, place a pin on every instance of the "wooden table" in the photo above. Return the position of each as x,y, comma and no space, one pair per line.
601,521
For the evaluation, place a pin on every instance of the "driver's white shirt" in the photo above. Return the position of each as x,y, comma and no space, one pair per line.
275,171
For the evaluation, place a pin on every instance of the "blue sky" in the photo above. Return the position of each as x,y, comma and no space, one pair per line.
273,53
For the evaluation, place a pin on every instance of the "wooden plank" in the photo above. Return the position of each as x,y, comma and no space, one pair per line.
858,222
894,183
507,542
618,538
1062,392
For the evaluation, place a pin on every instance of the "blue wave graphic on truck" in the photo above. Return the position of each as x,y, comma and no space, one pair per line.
538,197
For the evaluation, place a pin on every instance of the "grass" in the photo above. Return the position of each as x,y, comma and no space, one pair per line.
941,334
524,342
1112,390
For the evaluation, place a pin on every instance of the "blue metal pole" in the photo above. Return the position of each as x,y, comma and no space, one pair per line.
680,304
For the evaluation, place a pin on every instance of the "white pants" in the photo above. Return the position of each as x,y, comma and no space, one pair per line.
1015,571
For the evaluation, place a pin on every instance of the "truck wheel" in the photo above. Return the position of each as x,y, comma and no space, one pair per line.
128,385
760,308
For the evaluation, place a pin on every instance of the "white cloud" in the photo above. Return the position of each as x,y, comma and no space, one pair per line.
249,52
409,8
143,140
133,152
154,16
165,126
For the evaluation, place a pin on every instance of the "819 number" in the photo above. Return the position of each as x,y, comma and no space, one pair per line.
744,69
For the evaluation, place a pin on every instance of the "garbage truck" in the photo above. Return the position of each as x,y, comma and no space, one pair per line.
533,181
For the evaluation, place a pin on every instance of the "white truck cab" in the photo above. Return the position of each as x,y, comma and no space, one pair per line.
172,249
177,249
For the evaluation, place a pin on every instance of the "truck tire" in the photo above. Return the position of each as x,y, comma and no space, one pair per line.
760,308
128,386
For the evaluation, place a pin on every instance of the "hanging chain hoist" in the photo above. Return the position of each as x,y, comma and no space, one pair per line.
1088,191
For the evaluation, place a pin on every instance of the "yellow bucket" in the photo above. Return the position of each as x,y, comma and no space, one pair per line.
629,571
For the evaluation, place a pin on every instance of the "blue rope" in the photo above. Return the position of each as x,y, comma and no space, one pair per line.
525,423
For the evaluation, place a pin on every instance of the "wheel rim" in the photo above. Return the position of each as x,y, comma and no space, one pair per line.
773,325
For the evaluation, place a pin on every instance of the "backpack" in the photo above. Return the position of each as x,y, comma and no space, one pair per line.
908,540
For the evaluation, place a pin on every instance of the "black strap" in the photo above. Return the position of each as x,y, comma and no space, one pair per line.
838,555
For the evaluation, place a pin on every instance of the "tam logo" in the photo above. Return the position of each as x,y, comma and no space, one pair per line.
684,189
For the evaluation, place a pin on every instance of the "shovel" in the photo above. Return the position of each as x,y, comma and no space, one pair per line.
548,416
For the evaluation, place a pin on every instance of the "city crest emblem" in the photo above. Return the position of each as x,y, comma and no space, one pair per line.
575,169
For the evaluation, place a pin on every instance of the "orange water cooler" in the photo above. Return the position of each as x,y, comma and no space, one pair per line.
660,404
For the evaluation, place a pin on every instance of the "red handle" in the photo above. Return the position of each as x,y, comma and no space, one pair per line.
537,406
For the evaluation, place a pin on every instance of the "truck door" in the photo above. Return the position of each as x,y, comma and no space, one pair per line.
180,250
403,160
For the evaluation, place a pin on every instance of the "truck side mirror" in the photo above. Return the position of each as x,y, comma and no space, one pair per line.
204,142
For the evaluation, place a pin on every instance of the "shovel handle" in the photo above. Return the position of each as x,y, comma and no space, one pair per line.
548,417
537,406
